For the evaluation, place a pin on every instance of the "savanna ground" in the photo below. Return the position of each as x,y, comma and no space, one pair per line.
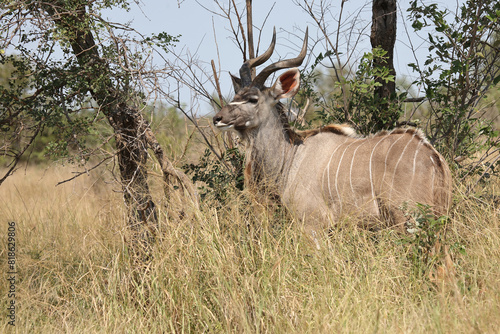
232,269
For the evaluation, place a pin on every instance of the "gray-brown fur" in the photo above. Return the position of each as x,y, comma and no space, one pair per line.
326,174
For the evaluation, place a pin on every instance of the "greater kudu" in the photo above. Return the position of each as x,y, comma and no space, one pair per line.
325,174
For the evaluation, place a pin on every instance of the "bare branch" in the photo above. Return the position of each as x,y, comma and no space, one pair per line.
85,172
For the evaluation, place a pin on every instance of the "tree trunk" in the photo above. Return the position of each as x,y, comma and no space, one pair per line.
132,156
132,132
383,35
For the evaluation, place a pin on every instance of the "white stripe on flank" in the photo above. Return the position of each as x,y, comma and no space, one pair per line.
399,160
433,174
414,170
338,168
370,165
328,168
352,163
387,155
415,158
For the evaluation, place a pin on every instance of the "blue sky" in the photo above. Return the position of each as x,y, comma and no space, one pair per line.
197,24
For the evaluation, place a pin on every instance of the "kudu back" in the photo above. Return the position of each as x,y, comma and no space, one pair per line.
330,173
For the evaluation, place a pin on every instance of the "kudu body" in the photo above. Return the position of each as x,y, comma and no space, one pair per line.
329,173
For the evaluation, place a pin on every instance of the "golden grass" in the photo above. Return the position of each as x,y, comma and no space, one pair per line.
234,270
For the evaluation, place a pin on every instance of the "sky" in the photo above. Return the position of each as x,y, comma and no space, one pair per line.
195,22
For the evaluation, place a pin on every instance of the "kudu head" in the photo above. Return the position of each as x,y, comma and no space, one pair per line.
254,103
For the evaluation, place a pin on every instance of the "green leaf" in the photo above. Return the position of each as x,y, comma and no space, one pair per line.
496,80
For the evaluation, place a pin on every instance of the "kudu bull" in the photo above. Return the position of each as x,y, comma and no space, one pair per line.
325,174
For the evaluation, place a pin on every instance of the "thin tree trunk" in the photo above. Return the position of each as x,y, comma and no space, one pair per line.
132,157
383,34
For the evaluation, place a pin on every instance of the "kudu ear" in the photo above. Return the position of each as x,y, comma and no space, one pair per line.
236,83
287,84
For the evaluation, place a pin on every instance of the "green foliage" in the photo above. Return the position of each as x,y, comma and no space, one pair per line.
353,99
162,40
56,106
63,95
462,66
218,176
426,231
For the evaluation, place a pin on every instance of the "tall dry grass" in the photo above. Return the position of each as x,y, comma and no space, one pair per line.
236,269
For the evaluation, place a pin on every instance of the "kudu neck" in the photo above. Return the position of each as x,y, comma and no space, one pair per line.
269,151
